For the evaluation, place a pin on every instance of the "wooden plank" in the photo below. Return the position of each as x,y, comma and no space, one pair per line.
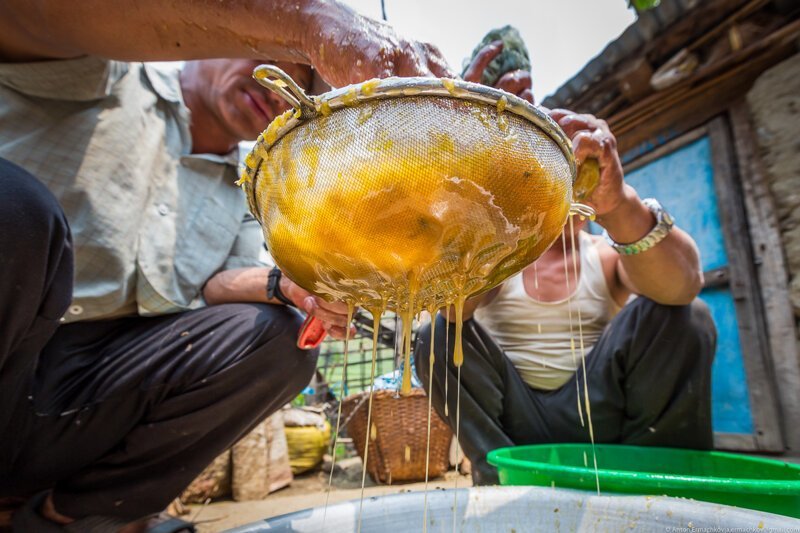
685,108
781,41
738,442
772,274
745,290
705,16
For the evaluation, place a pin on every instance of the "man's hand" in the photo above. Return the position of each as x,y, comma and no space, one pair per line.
345,47
250,285
517,82
332,315
591,138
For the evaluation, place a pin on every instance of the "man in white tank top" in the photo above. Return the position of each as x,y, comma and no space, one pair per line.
647,359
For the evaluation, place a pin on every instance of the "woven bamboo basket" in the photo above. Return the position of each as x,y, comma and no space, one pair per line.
398,438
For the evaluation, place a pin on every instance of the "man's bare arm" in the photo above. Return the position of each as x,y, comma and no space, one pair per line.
250,285
344,46
669,272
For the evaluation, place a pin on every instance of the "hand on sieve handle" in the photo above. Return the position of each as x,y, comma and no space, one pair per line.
587,181
595,150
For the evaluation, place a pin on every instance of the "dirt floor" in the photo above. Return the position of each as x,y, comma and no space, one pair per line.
307,490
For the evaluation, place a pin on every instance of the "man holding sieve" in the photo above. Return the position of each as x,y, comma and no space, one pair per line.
647,359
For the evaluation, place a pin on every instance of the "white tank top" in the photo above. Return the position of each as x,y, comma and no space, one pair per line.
545,360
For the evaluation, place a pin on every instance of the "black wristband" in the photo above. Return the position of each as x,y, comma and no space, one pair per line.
274,287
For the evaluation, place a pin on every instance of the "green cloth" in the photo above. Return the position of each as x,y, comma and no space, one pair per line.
513,57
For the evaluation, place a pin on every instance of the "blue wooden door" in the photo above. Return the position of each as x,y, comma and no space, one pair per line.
683,180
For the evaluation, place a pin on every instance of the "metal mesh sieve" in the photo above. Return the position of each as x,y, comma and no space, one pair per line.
391,187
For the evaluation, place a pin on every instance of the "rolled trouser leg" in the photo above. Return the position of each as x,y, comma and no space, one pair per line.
157,400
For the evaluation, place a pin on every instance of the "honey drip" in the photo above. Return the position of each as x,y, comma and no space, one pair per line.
458,434
536,292
446,352
571,325
407,317
376,324
342,385
431,357
458,348
583,363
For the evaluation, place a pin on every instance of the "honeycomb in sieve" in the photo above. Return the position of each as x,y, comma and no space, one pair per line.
428,195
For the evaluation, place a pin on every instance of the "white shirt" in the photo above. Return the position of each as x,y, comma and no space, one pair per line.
150,222
546,359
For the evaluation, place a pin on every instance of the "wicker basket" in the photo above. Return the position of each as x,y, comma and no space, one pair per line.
399,435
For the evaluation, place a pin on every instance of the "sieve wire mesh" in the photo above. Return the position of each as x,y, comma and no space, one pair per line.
427,194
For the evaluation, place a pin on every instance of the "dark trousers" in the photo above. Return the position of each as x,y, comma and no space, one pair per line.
119,416
649,379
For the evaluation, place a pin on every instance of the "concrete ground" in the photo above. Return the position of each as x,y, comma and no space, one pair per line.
307,490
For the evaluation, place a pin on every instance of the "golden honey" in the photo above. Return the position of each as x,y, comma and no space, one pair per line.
407,205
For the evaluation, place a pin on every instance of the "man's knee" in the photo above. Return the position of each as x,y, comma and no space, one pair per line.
700,320
38,275
692,323
28,206
278,328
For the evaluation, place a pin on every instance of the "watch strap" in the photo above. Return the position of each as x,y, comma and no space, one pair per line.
274,287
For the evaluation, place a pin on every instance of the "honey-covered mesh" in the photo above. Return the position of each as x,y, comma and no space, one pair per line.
410,201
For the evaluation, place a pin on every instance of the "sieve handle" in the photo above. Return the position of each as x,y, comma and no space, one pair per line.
277,81
588,179
582,188
311,333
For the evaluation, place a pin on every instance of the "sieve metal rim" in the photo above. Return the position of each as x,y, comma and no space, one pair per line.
306,108
309,107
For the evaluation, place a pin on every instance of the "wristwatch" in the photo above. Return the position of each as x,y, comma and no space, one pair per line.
274,287
664,223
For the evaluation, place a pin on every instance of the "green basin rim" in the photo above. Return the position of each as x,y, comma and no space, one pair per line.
499,459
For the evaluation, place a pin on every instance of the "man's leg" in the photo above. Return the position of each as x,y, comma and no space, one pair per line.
649,380
649,384
125,413
36,272
496,409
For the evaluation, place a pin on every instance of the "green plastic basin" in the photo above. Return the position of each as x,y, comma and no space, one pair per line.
727,478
